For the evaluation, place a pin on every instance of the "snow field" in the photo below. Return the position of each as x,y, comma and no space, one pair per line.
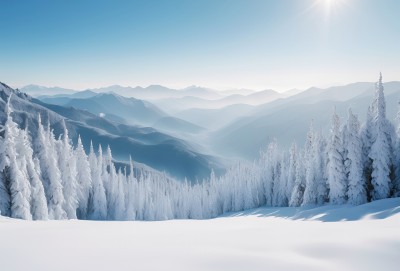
260,239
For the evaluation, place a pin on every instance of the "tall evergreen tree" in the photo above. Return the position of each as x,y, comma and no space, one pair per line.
50,173
67,166
310,191
5,200
335,168
110,179
291,170
282,184
381,149
97,200
320,169
130,193
397,156
83,178
296,198
268,164
31,168
366,134
19,186
119,206
354,167
315,181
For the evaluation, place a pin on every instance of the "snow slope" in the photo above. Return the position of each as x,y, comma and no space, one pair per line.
366,237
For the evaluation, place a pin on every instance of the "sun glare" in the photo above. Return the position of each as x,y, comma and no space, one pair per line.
330,6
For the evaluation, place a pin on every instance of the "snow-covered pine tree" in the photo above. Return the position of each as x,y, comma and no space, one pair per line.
396,156
366,135
268,165
163,199
320,168
381,149
16,179
291,175
296,198
335,167
140,196
148,201
257,186
67,166
354,167
120,195
195,206
5,201
97,200
130,193
83,178
110,180
281,188
310,192
31,168
50,174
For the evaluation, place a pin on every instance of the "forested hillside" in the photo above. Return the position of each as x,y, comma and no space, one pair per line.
47,178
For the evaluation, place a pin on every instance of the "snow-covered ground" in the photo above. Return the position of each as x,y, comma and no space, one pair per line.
366,237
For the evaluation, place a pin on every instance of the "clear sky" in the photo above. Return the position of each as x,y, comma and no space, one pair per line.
222,44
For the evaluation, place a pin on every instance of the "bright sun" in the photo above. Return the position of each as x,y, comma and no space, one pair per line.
330,6
332,3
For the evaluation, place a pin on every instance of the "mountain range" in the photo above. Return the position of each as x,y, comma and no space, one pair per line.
145,144
288,119
231,125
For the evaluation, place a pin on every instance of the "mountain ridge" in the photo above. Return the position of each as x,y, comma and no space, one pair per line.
146,145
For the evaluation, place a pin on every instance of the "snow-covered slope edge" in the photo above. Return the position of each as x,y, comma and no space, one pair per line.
379,209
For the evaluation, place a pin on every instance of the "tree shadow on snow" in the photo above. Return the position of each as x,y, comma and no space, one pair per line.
329,213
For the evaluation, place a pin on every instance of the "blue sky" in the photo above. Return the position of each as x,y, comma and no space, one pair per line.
257,44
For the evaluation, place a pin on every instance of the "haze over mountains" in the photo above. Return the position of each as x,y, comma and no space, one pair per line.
288,119
205,124
146,145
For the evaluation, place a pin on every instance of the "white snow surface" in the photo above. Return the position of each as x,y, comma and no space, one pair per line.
365,237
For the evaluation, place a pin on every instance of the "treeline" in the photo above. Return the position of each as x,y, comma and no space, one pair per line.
46,178
355,164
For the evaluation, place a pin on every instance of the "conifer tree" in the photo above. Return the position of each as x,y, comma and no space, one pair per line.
320,169
268,165
281,188
97,199
120,196
110,179
19,186
130,193
310,191
397,156
366,135
5,200
31,168
67,166
354,167
335,168
296,198
50,173
83,178
291,170
381,149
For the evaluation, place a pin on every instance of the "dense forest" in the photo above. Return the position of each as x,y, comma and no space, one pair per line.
47,178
